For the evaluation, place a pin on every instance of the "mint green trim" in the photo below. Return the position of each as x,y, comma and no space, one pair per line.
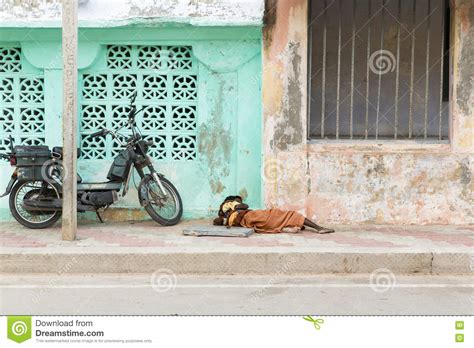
185,33
229,106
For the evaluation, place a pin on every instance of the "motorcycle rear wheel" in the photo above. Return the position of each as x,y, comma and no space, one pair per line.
27,189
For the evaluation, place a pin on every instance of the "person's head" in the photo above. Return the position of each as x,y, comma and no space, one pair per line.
227,207
228,202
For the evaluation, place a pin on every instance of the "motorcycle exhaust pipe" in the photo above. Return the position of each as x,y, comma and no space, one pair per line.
35,205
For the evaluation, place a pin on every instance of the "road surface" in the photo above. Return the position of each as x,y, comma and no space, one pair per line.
168,294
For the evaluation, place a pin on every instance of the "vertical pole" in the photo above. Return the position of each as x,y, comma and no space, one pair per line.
69,46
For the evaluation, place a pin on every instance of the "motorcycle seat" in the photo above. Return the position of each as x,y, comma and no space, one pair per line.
59,151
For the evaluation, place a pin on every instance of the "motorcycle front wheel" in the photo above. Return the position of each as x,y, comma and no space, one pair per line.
166,209
33,190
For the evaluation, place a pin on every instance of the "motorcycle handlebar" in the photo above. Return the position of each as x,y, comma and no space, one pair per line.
131,116
98,134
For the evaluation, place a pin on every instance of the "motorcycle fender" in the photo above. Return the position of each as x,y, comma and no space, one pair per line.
9,186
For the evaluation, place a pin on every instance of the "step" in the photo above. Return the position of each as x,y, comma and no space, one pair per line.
122,260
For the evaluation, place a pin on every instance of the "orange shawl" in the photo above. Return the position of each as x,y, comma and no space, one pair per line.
272,220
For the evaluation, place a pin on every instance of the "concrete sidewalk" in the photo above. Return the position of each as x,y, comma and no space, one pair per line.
144,247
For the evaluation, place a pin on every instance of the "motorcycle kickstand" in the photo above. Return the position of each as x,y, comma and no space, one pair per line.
99,217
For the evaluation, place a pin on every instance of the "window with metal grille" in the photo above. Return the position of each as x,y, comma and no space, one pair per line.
379,69
21,100
165,79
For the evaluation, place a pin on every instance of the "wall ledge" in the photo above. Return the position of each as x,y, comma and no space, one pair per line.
379,146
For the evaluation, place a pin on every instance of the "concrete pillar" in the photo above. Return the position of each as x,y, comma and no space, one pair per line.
69,41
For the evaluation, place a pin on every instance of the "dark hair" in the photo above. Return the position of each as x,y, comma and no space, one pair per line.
233,198
228,199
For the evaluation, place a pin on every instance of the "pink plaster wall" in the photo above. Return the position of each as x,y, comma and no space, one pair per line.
362,182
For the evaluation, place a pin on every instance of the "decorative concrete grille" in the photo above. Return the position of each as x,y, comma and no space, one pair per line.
165,79
21,102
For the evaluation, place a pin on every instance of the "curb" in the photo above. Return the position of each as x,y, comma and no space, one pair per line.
238,263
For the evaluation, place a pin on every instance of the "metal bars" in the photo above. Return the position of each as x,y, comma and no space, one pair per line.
323,92
399,45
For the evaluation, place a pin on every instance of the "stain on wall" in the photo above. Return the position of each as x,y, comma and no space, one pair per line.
463,71
215,143
269,20
351,183
289,130
396,188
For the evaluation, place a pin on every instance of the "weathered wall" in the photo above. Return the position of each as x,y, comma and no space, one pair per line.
102,13
362,182
228,63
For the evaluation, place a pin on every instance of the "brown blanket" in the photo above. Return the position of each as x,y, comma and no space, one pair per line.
272,220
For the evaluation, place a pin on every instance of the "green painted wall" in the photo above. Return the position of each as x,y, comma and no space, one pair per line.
227,63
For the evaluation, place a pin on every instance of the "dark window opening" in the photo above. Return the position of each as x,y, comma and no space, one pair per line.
379,69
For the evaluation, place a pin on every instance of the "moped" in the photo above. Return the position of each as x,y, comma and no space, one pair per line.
35,187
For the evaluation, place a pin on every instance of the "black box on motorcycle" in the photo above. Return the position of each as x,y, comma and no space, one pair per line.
30,161
120,167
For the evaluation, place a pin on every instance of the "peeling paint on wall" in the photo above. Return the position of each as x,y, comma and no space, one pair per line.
215,144
395,188
360,182
289,130
463,87
243,193
269,20
111,12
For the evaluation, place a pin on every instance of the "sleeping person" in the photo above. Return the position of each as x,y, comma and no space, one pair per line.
233,212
